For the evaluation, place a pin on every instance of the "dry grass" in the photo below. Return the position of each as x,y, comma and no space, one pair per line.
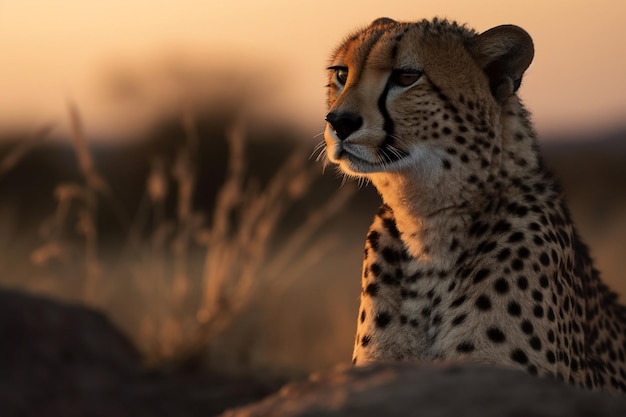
195,274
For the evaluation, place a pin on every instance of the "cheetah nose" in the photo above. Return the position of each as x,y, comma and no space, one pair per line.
344,123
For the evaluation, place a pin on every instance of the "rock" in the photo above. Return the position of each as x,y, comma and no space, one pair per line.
59,359
50,350
432,391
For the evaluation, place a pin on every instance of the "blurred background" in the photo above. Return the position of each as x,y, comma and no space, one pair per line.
154,163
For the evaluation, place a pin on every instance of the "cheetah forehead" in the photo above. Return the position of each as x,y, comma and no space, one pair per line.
387,44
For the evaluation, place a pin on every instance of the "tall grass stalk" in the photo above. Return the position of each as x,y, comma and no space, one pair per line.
187,305
23,148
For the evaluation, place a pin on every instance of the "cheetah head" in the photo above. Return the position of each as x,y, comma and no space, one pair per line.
425,95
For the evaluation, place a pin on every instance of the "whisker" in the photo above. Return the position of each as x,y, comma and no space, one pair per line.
320,147
362,182
344,179
401,140
382,157
324,165
321,155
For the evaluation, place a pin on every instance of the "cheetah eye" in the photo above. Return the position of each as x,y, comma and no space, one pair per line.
405,77
341,75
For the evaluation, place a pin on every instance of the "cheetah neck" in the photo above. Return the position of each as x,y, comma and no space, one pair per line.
430,222
434,212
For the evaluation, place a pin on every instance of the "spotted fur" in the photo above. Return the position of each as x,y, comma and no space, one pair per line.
473,254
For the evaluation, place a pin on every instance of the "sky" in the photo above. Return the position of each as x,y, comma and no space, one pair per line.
125,62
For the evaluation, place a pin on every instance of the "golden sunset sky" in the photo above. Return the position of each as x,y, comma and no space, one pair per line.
55,51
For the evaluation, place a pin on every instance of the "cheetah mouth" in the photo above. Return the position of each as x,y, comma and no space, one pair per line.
364,155
343,154
353,162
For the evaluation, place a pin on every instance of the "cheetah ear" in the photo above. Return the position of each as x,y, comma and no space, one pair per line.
382,21
504,53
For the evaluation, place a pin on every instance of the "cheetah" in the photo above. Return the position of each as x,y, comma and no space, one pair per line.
473,254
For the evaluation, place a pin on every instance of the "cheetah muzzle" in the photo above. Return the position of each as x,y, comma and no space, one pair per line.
473,254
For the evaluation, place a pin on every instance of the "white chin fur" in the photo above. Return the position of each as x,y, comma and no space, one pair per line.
421,160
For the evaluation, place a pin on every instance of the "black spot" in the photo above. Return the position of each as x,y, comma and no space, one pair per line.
522,283
363,315
483,302
488,247
478,229
391,256
517,264
523,252
403,319
459,319
417,275
371,290
550,356
527,327
538,311
458,301
504,254
495,335
481,275
465,347
544,259
389,279
519,356
464,273
390,225
375,269
535,343
446,164
462,257
366,340
382,319
501,286
516,237
373,238
514,309
516,209
383,210
502,226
